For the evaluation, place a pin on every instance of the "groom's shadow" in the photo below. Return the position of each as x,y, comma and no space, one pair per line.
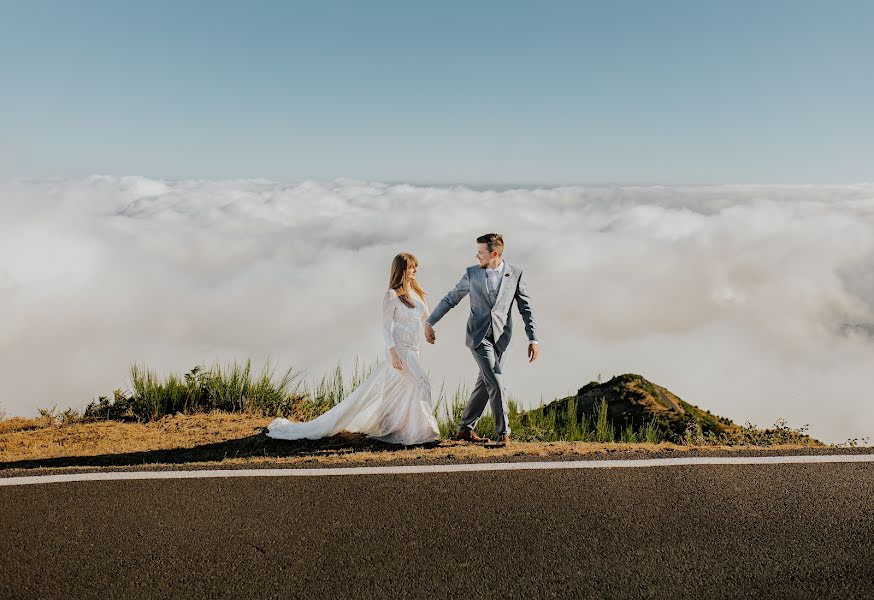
257,445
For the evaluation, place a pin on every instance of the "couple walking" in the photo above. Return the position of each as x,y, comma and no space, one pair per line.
394,403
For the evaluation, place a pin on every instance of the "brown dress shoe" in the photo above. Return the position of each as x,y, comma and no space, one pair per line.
469,436
503,440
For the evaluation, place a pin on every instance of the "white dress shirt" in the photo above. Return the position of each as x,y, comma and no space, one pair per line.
494,276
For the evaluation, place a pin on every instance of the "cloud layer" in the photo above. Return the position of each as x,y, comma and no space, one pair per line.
756,302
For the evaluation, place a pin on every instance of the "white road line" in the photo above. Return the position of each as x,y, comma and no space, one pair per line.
450,468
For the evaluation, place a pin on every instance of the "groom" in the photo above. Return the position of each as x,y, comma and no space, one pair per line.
493,286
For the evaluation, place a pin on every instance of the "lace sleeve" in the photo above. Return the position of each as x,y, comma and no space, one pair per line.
389,303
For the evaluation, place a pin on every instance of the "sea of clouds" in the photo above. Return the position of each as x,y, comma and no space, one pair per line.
755,302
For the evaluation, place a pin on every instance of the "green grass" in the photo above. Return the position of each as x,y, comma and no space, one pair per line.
230,388
537,425
235,388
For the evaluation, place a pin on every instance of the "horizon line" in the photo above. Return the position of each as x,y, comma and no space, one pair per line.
444,183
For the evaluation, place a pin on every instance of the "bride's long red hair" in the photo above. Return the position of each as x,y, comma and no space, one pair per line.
397,281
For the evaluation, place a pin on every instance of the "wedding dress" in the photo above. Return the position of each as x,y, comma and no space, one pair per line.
390,405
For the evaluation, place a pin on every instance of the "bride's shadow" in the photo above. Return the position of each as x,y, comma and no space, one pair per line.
257,445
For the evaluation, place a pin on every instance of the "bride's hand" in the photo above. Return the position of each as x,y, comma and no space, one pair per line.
396,361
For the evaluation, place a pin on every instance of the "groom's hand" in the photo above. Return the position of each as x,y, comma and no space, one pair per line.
533,352
429,333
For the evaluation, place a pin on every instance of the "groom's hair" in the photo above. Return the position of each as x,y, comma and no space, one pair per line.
494,241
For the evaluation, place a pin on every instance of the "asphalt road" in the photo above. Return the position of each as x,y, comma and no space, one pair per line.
700,531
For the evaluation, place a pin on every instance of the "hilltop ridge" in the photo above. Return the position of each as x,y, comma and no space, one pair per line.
632,400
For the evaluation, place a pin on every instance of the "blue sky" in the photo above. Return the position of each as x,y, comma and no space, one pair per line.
474,92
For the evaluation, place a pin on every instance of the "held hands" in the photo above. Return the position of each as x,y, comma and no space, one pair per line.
430,336
533,352
396,361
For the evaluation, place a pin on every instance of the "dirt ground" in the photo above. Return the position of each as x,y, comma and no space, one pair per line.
233,440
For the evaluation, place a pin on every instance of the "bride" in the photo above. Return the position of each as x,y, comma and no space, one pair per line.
394,403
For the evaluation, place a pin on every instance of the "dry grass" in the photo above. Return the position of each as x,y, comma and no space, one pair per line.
234,439
29,439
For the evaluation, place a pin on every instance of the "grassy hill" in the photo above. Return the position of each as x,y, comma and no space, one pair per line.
631,402
627,409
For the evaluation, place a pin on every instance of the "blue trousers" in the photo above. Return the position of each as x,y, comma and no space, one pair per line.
489,388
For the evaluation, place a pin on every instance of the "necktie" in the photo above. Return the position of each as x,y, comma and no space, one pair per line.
492,287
